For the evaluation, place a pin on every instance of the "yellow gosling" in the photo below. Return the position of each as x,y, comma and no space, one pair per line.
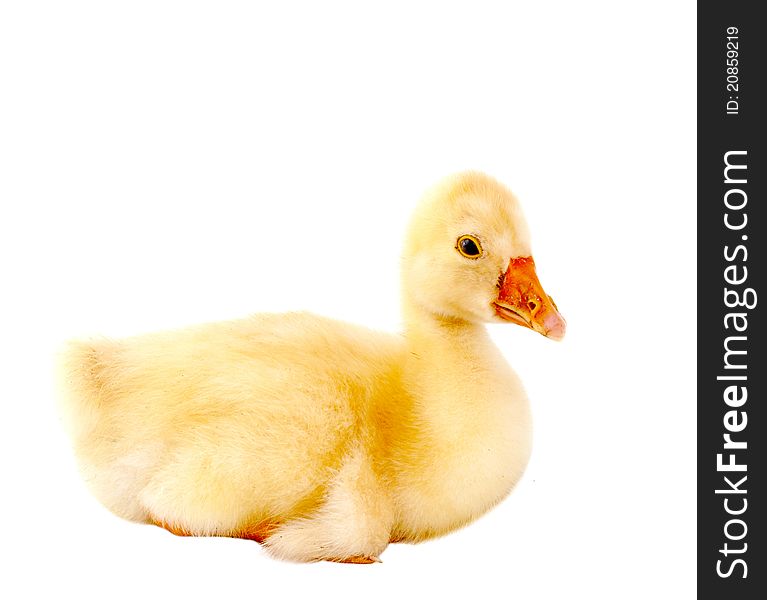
320,439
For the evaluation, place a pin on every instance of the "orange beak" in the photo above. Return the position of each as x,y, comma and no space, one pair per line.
522,300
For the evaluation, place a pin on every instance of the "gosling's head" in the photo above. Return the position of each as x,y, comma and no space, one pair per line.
467,256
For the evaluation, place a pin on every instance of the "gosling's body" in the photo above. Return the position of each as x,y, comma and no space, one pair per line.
321,439
304,432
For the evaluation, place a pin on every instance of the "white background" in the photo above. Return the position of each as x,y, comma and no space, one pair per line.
167,163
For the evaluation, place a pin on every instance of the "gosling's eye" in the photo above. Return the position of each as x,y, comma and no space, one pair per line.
469,246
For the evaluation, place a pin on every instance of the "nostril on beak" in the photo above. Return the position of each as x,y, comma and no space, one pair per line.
533,306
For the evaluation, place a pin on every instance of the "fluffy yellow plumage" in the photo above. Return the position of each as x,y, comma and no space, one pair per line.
321,439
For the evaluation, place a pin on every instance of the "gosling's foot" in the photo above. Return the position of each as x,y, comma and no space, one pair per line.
174,529
358,560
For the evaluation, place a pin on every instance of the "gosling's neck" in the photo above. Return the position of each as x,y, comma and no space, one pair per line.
450,358
433,338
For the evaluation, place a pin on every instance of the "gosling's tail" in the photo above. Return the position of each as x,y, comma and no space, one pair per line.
81,367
